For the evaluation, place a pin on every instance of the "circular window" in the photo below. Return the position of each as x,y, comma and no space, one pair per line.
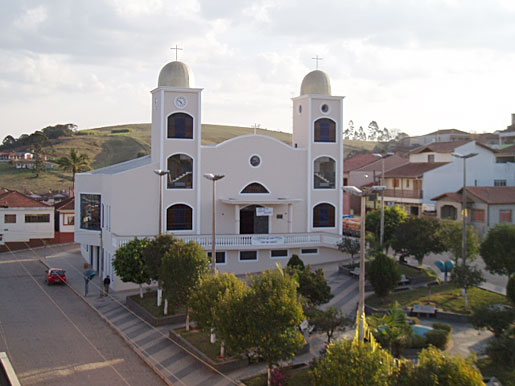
255,161
324,108
300,109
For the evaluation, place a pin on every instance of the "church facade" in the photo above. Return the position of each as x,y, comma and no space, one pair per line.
274,200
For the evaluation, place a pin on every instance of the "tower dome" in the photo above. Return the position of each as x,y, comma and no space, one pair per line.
175,74
316,82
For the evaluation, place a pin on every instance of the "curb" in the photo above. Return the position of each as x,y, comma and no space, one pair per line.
129,343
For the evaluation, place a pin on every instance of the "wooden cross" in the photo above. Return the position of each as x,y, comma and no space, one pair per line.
317,59
176,48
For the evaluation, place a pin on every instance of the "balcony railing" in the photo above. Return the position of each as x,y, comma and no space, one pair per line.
403,193
258,241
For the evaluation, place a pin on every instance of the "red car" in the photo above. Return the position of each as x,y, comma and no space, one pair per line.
55,275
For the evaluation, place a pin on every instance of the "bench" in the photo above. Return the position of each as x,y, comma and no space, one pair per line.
419,309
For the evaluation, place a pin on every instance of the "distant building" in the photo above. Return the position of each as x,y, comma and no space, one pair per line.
24,220
15,156
433,170
488,206
507,136
65,220
447,135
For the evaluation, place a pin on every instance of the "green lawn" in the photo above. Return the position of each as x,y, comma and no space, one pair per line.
445,296
295,377
200,340
404,270
149,302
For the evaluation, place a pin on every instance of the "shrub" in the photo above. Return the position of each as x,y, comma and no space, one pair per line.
495,318
413,320
295,262
418,341
510,289
119,131
438,338
442,326
502,350
277,377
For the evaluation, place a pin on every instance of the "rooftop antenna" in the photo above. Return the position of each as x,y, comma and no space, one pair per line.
177,49
317,59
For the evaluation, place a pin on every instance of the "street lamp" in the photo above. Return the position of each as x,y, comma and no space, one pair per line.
464,202
382,193
214,178
161,173
363,194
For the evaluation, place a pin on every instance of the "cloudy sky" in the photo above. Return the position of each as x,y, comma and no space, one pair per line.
415,65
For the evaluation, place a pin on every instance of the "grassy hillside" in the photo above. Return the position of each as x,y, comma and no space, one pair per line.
113,144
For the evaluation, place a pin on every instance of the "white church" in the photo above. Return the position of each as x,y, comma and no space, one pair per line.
274,200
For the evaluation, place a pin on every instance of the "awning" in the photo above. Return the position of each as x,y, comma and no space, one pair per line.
260,201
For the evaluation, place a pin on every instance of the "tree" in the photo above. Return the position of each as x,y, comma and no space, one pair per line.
417,236
354,364
383,274
205,301
495,319
329,321
510,289
436,367
393,218
498,249
465,277
129,263
265,319
59,130
451,235
295,262
8,141
39,163
153,256
75,163
313,286
392,330
374,132
349,245
181,269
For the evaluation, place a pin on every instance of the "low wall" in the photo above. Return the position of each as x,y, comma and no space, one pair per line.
147,316
440,315
224,367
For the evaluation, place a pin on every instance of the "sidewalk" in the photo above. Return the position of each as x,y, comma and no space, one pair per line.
173,364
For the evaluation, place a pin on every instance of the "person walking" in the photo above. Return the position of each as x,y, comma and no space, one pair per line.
107,282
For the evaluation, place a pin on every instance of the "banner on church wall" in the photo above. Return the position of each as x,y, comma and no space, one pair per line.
264,211
267,240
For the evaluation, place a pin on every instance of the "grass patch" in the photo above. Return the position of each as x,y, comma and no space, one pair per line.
149,302
489,369
295,377
200,340
445,296
404,269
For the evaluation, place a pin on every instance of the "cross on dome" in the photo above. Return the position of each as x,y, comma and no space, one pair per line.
317,59
177,49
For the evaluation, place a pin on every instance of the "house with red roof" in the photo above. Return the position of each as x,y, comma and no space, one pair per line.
487,206
23,220
65,220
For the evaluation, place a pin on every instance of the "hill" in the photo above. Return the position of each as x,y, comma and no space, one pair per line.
113,144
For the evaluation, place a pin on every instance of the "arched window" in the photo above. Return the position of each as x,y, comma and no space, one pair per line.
325,130
449,212
179,217
323,216
181,172
180,125
254,187
323,173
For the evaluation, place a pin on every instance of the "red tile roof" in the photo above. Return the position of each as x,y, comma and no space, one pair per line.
68,204
358,161
413,169
14,199
440,147
493,195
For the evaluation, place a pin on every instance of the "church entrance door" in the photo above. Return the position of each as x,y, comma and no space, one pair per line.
252,224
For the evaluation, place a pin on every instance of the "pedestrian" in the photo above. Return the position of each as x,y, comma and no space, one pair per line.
86,283
107,282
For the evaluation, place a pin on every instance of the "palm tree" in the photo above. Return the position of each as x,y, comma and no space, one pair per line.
392,329
75,163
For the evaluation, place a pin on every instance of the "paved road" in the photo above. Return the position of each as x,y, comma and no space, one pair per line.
53,337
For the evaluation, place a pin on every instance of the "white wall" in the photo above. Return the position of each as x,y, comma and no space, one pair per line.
22,231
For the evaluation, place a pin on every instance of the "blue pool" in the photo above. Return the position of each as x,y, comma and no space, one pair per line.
420,330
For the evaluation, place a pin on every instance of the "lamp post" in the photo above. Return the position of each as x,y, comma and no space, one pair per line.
464,203
161,173
214,178
361,305
381,239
